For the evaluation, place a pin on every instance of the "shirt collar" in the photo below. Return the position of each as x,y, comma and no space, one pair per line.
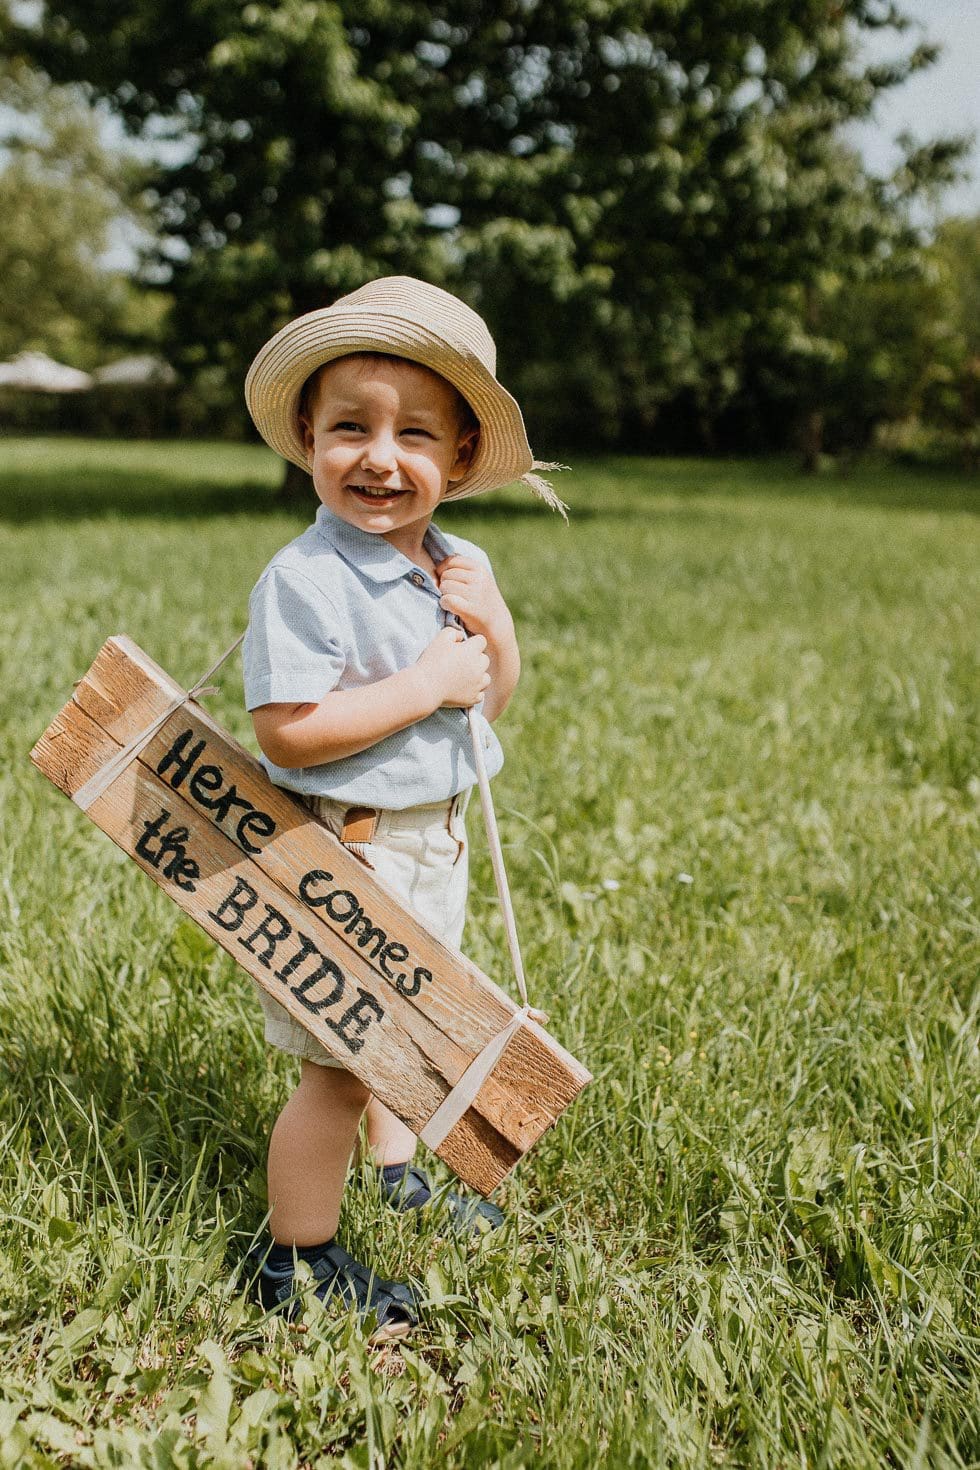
372,554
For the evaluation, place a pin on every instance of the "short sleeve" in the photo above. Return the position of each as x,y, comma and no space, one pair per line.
292,651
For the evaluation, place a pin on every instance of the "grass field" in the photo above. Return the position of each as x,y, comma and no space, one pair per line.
740,805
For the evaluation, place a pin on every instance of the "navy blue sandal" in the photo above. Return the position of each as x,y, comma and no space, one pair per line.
407,1187
337,1273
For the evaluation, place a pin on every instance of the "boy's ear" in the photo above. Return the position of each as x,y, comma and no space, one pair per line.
466,448
307,435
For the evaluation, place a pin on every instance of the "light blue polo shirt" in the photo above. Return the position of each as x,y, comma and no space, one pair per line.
339,608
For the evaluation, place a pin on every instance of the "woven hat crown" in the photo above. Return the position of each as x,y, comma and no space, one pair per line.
429,306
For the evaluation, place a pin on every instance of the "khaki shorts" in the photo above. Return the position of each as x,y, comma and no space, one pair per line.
421,854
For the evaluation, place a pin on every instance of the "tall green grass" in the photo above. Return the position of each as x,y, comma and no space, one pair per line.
740,812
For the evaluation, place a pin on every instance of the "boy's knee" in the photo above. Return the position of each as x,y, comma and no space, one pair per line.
335,1085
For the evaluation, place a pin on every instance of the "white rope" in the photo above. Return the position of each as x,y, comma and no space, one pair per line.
460,1098
496,854
103,778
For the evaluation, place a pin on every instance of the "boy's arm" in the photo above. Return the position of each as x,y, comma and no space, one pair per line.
451,671
469,590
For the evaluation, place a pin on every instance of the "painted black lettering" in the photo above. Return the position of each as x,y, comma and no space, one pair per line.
413,986
341,895
306,884
232,911
316,1004
356,1019
180,758
260,823
274,928
173,841
170,854
144,846
396,953
204,780
181,869
223,804
370,934
306,948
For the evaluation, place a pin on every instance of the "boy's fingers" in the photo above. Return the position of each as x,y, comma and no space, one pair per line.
453,580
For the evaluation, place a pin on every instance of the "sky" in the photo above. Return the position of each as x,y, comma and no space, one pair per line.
943,99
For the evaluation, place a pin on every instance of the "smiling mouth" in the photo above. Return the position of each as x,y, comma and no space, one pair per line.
375,492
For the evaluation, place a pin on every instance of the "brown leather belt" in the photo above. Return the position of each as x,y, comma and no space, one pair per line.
360,823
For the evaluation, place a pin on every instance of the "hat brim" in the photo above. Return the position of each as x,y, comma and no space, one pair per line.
275,381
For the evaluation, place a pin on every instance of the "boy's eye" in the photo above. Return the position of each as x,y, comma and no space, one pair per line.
425,432
348,424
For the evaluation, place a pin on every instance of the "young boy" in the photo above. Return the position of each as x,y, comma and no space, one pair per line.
358,677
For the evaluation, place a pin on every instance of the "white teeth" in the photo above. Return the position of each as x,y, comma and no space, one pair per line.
376,492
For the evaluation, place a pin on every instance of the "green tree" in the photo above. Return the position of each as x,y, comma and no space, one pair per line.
61,191
641,195
953,403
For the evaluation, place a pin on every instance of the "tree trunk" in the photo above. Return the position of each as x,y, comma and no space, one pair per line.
811,440
296,487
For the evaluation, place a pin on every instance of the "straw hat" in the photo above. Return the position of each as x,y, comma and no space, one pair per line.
406,318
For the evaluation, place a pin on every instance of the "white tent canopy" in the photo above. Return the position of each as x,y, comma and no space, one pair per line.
137,372
36,372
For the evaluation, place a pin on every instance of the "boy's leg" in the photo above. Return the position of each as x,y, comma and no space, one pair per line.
389,1141
309,1152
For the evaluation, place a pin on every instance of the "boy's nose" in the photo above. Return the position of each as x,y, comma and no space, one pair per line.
380,454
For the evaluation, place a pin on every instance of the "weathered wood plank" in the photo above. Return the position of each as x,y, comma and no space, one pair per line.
160,810
198,813
392,1065
470,1008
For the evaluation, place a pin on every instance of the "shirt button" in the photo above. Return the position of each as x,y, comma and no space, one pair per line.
418,579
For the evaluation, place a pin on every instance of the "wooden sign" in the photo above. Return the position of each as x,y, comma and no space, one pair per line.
310,922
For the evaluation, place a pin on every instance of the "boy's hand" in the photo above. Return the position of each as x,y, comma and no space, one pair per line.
469,591
456,667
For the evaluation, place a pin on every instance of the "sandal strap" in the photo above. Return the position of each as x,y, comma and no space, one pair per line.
411,1191
337,1271
465,1209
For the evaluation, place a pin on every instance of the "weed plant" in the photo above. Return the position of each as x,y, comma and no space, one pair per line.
740,814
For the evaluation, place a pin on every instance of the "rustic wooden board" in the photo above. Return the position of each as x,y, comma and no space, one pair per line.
310,922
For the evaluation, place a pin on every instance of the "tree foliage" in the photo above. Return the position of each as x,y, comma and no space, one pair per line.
954,400
61,191
649,199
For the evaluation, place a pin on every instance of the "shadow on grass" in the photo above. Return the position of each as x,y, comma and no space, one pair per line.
598,488
113,494
872,483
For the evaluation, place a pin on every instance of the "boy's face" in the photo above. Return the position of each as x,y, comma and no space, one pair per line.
384,441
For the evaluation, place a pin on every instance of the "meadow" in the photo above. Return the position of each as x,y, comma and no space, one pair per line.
740,814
